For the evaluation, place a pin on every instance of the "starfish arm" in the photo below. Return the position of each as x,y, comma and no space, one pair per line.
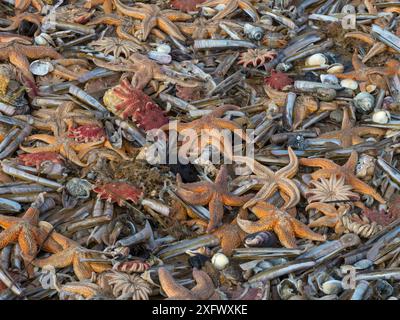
357,64
248,8
22,5
68,152
264,193
222,177
363,188
32,215
324,173
319,162
9,235
148,23
27,243
325,221
230,7
171,287
256,167
216,208
302,231
285,233
204,287
174,15
42,137
326,208
290,189
291,169
39,52
195,198
170,28
8,221
265,224
81,269
60,259
129,11
351,163
235,201
187,28
49,148
21,62
362,131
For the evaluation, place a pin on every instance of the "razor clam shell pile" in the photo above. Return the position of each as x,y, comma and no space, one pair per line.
295,69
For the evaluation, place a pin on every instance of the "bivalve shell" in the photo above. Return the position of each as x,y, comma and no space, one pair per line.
381,116
40,68
163,48
364,102
335,68
316,60
331,287
220,261
160,57
349,84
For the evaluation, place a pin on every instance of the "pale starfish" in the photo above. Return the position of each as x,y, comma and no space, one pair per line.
152,16
329,168
282,223
203,290
216,195
270,181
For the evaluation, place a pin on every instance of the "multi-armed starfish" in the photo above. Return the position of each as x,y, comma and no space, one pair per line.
282,223
18,55
26,232
72,254
152,16
271,181
350,135
215,194
201,28
332,216
33,18
231,6
203,290
329,168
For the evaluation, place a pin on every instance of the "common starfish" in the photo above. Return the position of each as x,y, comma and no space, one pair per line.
210,125
72,254
332,216
215,194
200,28
203,290
18,55
271,181
144,70
349,135
33,18
86,289
230,7
346,171
26,232
152,16
282,223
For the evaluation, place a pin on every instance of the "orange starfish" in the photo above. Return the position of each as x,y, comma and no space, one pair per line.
201,28
26,232
152,16
349,135
107,5
203,290
72,254
230,7
282,223
346,171
215,194
271,181
332,216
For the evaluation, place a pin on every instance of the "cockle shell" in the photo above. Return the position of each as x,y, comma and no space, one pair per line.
335,68
381,116
331,287
364,102
349,84
316,60
40,67
220,261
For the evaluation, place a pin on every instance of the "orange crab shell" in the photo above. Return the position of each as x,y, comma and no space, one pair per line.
36,159
118,192
87,133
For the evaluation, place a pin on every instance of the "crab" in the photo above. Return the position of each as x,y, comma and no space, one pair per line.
126,101
118,192
87,133
36,159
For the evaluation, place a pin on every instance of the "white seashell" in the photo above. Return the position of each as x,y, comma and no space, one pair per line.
43,39
332,287
335,68
364,102
220,7
163,48
316,60
349,84
41,68
208,12
220,261
381,116
160,57
329,78
371,88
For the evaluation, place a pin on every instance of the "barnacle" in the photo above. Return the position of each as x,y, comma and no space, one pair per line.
118,192
330,190
128,286
278,80
115,46
256,57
